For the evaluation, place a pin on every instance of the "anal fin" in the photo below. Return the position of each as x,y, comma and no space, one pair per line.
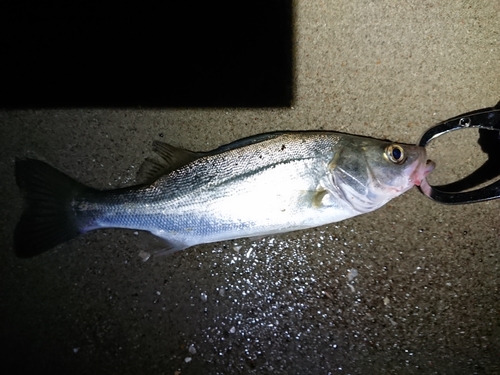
169,246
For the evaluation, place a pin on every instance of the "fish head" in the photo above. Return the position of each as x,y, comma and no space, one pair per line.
370,173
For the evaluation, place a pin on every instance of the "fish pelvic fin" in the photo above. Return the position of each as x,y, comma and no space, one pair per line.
48,219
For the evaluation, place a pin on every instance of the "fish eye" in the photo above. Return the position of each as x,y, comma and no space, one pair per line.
395,153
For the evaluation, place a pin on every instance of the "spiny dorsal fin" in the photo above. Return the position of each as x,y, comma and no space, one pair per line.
170,159
149,171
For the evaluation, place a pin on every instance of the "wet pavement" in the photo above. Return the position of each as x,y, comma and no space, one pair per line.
411,288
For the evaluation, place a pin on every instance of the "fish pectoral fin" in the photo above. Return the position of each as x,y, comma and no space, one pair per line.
169,159
314,198
317,197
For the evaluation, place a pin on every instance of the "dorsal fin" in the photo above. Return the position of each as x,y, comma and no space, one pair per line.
170,159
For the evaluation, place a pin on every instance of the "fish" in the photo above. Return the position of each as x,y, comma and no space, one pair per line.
258,186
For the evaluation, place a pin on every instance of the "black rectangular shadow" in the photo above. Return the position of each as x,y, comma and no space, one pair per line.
198,54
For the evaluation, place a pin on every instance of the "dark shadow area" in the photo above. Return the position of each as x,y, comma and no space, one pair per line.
198,54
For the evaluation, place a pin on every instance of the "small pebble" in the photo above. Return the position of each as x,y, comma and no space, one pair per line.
352,274
144,255
204,297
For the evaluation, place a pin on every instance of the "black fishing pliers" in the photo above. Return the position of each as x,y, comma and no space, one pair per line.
485,120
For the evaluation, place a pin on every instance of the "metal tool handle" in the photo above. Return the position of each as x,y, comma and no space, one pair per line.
486,118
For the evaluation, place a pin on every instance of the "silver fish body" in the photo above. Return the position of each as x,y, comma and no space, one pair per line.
271,183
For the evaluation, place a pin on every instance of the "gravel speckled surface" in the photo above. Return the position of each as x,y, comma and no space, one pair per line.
412,288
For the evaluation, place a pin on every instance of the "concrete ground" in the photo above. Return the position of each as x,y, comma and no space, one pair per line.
426,296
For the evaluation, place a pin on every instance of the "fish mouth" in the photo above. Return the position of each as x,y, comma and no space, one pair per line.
425,188
421,172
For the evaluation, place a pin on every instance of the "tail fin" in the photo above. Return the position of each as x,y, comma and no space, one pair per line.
48,219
